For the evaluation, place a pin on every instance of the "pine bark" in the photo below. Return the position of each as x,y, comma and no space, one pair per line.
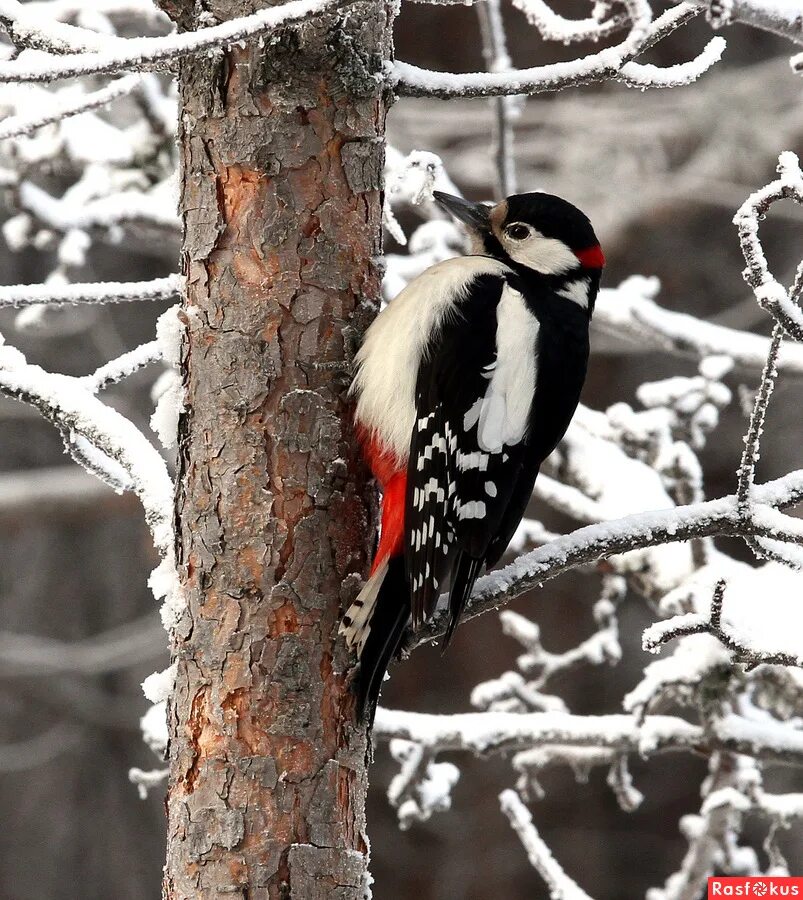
282,148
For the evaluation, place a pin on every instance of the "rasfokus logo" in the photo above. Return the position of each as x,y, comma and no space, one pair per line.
766,886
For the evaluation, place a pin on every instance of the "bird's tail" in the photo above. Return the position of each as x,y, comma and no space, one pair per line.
374,624
464,574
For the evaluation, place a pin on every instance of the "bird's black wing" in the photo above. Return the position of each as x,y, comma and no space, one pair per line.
457,492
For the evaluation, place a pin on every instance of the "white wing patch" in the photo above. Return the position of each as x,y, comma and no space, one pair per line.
390,356
505,408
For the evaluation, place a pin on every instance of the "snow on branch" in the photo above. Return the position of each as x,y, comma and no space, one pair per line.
769,293
16,126
595,542
561,886
630,312
751,634
483,733
118,369
612,63
159,289
783,19
120,54
554,27
90,425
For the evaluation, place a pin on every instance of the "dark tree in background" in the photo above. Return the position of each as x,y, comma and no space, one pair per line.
265,527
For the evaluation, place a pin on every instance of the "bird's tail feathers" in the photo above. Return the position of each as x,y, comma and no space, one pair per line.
356,623
464,574
376,629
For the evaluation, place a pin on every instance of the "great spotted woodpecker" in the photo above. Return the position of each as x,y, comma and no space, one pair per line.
465,383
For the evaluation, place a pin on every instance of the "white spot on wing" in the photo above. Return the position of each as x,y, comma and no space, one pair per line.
474,509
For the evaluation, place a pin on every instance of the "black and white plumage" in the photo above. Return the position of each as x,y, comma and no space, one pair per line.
465,384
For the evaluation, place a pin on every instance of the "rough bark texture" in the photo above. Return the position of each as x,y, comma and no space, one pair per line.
282,149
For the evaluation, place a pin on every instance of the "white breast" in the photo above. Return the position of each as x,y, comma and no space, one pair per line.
390,356
503,413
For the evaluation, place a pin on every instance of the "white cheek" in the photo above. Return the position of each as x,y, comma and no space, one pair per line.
546,255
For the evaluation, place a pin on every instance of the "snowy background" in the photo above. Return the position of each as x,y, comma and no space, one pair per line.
661,174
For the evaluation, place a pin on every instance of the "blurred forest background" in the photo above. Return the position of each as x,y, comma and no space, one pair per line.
660,175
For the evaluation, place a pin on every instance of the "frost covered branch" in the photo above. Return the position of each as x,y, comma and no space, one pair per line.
781,19
561,887
160,289
769,293
629,312
612,63
143,53
17,126
483,733
102,439
659,634
595,542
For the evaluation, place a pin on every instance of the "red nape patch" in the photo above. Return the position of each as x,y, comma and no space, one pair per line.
591,257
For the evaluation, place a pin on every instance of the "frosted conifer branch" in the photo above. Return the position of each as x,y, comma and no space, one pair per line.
561,886
160,289
145,52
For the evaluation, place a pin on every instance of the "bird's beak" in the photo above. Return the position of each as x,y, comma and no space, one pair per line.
475,215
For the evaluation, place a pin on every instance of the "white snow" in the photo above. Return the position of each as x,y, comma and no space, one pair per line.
159,685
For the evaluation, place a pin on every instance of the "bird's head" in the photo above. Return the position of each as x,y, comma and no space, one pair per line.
535,231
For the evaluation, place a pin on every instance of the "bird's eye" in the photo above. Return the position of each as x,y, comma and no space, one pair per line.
517,231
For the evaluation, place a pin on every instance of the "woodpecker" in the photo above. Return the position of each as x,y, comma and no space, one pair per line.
464,384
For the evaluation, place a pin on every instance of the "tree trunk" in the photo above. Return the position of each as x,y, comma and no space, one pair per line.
282,149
